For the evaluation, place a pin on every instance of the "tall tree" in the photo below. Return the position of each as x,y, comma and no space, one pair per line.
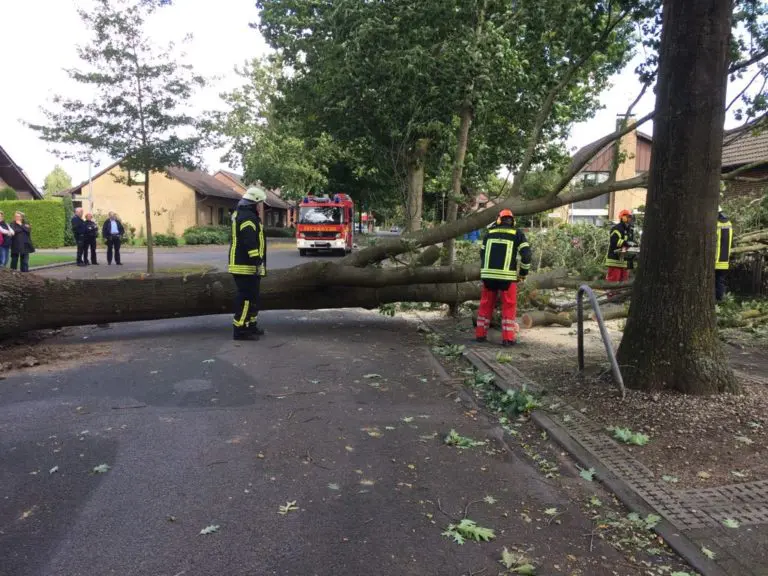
138,111
671,340
57,181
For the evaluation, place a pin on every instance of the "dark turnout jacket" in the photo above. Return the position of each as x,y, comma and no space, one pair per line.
502,246
248,250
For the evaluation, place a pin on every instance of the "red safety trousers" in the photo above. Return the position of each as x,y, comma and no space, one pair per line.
617,274
509,326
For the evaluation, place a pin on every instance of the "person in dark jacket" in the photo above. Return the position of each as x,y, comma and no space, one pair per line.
722,253
502,246
89,239
21,245
247,263
78,229
112,231
6,237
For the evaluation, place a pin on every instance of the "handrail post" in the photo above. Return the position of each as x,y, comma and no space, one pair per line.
584,289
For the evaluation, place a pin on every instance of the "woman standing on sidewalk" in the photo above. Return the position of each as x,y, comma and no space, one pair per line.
6,237
21,246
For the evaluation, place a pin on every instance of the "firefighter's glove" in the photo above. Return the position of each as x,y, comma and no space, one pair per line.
262,270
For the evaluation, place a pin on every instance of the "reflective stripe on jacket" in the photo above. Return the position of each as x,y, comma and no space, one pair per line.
248,250
619,237
724,242
499,255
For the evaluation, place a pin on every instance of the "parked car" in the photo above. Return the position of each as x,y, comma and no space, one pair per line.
394,229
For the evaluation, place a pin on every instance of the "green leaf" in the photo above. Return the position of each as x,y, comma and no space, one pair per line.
670,479
525,569
730,523
468,529
333,486
745,440
455,439
101,469
595,501
489,500
209,530
588,475
407,419
551,511
707,552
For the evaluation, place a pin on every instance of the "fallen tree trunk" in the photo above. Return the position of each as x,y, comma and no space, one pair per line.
30,302
539,318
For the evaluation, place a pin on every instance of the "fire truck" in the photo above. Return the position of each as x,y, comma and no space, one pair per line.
325,224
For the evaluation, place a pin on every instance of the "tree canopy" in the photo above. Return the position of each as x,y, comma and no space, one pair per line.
57,181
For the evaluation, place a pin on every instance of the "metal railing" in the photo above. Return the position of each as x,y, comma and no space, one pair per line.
603,332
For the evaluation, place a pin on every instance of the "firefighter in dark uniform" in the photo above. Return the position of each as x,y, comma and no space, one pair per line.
722,253
247,263
622,237
502,246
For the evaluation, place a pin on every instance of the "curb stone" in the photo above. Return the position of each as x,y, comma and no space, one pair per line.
49,266
680,543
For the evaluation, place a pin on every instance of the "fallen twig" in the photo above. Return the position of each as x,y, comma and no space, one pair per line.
296,393
129,407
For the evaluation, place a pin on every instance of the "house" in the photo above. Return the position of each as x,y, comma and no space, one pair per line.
274,212
13,176
741,150
635,159
179,198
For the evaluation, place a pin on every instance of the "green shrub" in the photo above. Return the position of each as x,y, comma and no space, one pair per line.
45,216
69,211
8,193
207,235
164,240
271,232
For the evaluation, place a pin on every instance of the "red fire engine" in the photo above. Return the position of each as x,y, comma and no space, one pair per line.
325,224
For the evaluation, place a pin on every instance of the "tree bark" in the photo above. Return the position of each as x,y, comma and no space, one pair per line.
670,341
148,214
31,302
458,170
415,200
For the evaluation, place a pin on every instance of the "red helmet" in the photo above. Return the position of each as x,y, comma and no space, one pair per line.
506,213
623,213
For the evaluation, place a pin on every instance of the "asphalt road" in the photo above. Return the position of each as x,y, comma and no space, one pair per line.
279,255
341,412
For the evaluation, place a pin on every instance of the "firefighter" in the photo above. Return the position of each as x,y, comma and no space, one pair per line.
622,237
502,246
247,263
722,253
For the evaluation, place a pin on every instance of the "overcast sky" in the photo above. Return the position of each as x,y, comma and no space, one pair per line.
40,39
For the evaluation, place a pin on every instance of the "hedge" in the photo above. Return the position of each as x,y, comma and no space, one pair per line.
221,234
45,216
164,240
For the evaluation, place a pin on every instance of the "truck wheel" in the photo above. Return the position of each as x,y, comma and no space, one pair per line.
340,252
302,251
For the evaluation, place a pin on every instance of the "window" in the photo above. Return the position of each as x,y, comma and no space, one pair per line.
321,215
594,178
135,177
221,215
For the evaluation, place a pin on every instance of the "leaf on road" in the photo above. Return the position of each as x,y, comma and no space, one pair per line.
407,419
516,562
369,376
209,361
588,475
489,500
730,523
53,470
101,469
468,529
551,511
373,432
670,479
704,475
333,486
595,501
745,440
349,448
738,474
213,528
707,552
288,507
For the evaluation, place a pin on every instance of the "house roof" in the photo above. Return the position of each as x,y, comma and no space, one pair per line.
745,148
98,174
15,177
273,200
204,183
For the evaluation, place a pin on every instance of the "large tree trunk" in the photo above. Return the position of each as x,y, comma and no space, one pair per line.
148,215
415,183
670,341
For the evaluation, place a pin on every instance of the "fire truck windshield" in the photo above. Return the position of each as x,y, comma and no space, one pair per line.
321,215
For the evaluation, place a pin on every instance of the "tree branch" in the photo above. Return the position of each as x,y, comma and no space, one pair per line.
737,66
733,174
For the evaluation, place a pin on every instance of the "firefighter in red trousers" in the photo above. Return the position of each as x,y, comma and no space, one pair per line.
501,248
622,237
